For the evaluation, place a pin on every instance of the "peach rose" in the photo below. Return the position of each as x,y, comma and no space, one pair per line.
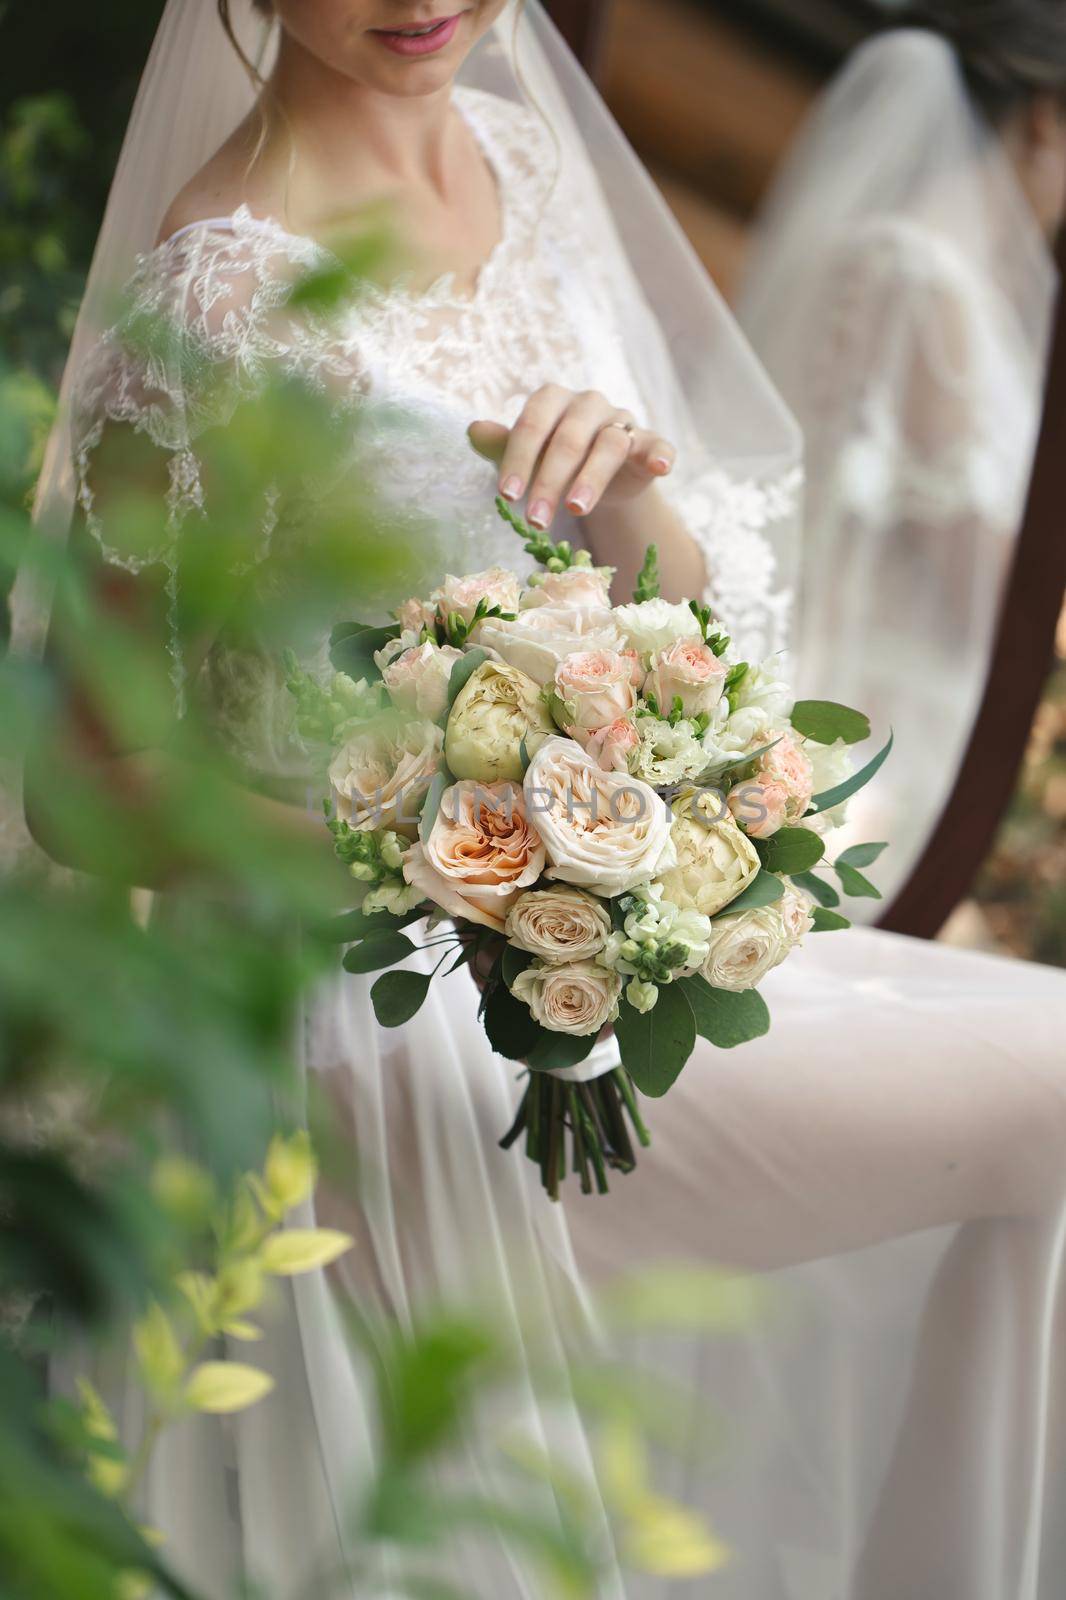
637,671
597,687
610,747
418,679
415,614
461,596
380,777
578,588
560,924
760,806
789,764
481,853
687,670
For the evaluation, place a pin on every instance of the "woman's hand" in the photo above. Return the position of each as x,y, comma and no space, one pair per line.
576,450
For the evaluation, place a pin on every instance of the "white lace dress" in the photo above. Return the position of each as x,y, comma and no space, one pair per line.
892,1431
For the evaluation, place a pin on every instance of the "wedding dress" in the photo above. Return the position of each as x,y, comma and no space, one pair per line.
900,293
890,1158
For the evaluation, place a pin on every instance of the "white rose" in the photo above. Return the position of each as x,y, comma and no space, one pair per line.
380,777
579,998
745,948
762,688
559,925
601,829
715,862
651,625
417,677
537,641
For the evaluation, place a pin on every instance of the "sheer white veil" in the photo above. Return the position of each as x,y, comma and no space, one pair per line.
900,293
705,387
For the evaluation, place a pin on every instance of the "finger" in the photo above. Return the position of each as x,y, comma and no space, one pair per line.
489,439
566,454
652,454
611,451
538,421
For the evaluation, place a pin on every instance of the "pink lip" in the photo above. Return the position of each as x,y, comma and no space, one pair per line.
424,44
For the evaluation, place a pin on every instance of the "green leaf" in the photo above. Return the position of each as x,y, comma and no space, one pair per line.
463,671
823,892
399,996
352,648
378,950
766,890
861,855
844,791
656,1045
431,804
357,925
826,722
512,1029
554,1052
724,1019
829,921
791,850
513,962
854,885
649,584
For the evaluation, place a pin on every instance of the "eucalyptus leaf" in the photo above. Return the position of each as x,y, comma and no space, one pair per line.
826,722
352,648
431,804
354,925
726,1019
790,850
378,950
399,996
851,786
765,890
657,1044
463,671
861,855
512,1029
854,885
829,921
823,892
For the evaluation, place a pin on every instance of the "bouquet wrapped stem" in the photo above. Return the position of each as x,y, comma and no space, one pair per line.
587,1129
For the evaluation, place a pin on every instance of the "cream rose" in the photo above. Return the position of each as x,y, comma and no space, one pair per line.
596,687
379,778
578,588
481,853
537,641
579,998
558,925
687,670
760,806
745,948
497,710
601,829
461,596
714,861
417,680
651,625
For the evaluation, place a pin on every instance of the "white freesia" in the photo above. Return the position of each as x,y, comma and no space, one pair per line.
537,641
658,939
559,925
579,998
745,948
603,830
650,625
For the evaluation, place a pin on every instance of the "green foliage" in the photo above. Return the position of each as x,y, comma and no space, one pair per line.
656,1044
554,557
724,1019
826,722
790,850
649,582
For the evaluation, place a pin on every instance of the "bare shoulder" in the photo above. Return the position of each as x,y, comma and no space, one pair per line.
229,179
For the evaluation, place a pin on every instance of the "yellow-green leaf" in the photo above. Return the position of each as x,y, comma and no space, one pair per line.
303,1249
226,1386
669,1541
160,1356
291,1171
242,1330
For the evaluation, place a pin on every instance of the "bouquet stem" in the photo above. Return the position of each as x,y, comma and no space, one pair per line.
599,1119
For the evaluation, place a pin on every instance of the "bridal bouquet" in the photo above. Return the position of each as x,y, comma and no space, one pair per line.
602,811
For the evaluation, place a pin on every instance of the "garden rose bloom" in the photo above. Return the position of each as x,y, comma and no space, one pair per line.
601,829
379,778
598,686
612,747
418,679
481,853
559,925
636,667
460,596
580,998
760,806
415,614
495,711
651,625
580,588
538,640
789,764
687,670
715,862
745,948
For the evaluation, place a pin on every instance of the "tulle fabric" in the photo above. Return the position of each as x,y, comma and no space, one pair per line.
900,294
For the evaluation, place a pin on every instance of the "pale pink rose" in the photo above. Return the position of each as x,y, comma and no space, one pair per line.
636,667
789,764
576,589
538,640
379,778
609,747
418,680
687,670
760,806
461,596
481,853
597,686
415,614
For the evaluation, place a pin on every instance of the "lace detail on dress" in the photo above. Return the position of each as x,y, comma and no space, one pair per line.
419,365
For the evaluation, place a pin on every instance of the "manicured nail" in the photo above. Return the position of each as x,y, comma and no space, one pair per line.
660,465
511,488
579,501
540,514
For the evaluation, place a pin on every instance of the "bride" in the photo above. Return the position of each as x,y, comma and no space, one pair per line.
892,1156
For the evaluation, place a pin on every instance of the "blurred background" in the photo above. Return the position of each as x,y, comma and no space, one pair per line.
711,92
